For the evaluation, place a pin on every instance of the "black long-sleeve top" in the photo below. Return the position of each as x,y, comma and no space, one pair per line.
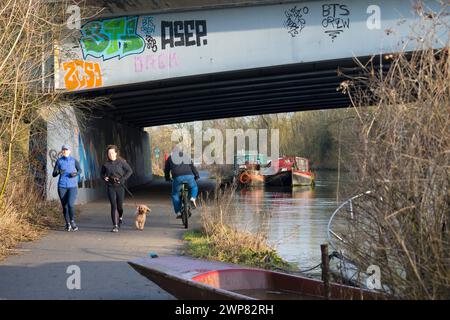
179,169
118,168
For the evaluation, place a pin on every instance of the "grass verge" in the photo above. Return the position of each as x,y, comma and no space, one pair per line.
234,246
28,226
24,214
219,240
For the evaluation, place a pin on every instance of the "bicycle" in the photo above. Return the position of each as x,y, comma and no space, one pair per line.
185,204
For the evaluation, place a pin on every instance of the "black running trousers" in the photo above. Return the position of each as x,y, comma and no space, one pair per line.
116,194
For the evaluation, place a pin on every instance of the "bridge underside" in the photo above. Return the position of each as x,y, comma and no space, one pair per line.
288,88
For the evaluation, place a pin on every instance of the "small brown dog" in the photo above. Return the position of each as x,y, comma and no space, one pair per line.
141,215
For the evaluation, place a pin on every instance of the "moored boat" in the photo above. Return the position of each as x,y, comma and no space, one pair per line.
247,168
301,173
289,171
280,179
251,178
301,178
189,278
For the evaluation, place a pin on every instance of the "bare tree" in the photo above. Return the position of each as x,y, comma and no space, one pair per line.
403,158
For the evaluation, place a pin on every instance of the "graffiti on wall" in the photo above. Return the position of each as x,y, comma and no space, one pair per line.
335,19
89,144
89,148
111,38
38,160
81,74
295,21
90,177
183,33
148,28
53,155
156,61
151,43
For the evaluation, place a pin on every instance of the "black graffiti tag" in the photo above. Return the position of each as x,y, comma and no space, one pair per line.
183,33
53,155
294,20
335,19
151,43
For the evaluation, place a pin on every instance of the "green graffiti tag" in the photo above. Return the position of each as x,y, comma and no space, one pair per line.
111,38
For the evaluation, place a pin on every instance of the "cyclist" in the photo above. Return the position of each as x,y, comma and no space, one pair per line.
181,172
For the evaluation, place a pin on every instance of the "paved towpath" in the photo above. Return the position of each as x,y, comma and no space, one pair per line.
39,271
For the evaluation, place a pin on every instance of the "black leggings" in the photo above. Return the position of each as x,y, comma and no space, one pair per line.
116,195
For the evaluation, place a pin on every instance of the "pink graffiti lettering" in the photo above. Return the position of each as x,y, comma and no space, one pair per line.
155,61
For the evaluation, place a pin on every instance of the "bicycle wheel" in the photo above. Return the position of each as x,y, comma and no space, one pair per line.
185,211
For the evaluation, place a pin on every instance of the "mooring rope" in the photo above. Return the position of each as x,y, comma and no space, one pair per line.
334,254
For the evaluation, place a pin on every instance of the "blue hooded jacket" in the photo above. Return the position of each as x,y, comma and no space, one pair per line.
68,169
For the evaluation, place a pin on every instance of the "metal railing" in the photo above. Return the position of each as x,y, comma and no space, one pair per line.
330,232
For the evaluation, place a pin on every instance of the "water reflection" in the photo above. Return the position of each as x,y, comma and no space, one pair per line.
293,219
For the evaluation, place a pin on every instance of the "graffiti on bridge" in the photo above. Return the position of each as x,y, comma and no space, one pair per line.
151,43
155,62
82,75
295,21
111,38
90,177
335,19
148,28
183,33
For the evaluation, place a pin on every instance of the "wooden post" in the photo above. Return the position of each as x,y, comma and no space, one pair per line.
325,271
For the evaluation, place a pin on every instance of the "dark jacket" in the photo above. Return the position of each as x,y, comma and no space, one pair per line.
177,170
68,170
118,168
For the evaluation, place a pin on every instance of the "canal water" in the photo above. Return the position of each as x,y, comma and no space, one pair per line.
294,220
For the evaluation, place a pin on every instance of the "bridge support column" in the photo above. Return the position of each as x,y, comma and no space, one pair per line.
88,136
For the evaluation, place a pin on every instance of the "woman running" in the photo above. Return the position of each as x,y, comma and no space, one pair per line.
68,170
115,171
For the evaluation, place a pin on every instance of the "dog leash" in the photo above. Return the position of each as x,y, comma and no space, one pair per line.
129,192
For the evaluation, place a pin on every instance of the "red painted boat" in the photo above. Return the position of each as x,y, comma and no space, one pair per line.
289,171
301,173
188,278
